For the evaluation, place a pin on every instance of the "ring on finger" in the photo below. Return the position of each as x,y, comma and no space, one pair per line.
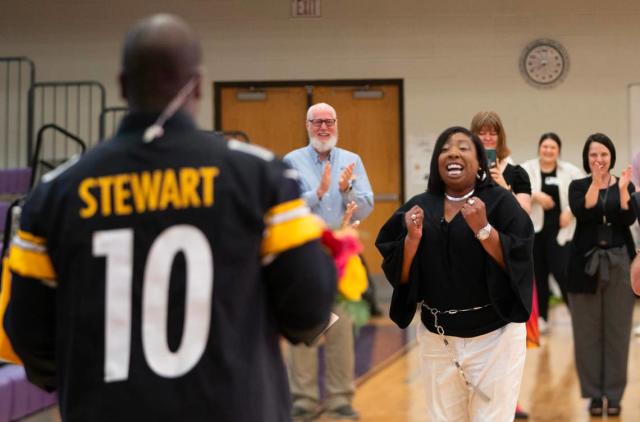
471,201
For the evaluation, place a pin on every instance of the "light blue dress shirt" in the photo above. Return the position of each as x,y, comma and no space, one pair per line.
334,203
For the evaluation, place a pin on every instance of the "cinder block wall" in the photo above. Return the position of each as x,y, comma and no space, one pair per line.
456,57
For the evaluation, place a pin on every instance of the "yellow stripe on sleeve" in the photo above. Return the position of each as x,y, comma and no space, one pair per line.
291,234
31,263
285,207
31,238
6,350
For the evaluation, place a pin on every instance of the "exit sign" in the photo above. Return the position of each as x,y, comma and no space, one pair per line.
305,8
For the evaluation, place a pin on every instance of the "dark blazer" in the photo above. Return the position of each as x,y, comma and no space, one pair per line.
588,220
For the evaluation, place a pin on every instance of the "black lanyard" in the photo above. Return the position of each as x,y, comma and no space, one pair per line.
604,200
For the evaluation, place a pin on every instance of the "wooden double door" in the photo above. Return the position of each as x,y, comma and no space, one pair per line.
370,124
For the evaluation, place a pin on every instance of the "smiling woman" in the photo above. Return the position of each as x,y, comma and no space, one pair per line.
553,221
600,294
488,126
462,250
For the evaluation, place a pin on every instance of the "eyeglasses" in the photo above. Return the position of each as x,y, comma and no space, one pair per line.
319,122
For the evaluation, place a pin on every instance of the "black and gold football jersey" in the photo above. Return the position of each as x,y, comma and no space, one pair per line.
151,281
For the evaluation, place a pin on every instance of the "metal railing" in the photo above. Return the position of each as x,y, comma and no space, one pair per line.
40,164
75,106
112,116
17,75
110,120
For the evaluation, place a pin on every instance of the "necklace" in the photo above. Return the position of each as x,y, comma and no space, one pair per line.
459,198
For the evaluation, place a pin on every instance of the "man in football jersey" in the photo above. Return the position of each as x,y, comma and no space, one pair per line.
331,179
153,277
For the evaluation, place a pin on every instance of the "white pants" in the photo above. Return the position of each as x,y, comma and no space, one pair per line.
494,362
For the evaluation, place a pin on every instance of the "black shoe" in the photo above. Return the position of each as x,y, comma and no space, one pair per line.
343,412
521,414
613,408
300,414
595,407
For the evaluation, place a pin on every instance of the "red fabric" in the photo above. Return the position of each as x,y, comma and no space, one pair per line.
342,245
533,334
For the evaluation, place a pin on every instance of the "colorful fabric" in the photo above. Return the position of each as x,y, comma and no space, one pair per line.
28,257
533,333
288,226
6,350
345,249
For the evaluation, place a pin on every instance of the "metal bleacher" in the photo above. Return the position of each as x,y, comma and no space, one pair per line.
26,105
41,125
75,107
17,75
110,119
56,114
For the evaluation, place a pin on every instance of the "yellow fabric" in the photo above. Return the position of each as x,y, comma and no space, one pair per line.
291,234
31,264
354,279
31,238
285,207
6,350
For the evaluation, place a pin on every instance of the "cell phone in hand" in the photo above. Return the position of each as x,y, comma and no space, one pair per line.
492,157
332,320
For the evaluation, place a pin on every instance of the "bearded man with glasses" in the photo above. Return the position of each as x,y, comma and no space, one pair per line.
331,179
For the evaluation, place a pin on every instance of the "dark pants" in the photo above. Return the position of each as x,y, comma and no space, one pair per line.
549,258
601,333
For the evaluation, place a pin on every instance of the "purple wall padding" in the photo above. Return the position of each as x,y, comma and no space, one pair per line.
18,397
6,393
15,181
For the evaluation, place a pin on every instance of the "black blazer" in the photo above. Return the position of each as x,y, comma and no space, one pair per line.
588,220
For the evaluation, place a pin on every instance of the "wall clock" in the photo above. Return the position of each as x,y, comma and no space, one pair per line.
544,63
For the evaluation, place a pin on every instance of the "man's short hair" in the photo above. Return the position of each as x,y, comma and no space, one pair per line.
161,54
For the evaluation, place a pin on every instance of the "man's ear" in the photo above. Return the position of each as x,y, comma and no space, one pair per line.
122,80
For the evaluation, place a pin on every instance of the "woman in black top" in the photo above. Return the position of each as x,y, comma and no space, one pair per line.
488,126
600,296
463,249
552,219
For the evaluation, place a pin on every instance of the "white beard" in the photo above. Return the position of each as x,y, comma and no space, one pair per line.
321,146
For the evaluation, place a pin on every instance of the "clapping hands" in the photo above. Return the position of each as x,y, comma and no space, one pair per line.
325,180
346,218
345,177
625,178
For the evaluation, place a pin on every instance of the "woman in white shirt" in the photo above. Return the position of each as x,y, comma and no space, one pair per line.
553,221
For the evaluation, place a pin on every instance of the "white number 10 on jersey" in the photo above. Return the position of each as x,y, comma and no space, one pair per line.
117,247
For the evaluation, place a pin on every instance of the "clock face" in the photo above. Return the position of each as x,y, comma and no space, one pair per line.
544,63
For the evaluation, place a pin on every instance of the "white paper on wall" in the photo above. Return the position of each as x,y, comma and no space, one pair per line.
418,159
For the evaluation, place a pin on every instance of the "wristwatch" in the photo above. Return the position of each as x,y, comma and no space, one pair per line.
484,233
350,187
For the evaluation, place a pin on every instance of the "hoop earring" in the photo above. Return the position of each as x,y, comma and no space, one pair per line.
481,175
